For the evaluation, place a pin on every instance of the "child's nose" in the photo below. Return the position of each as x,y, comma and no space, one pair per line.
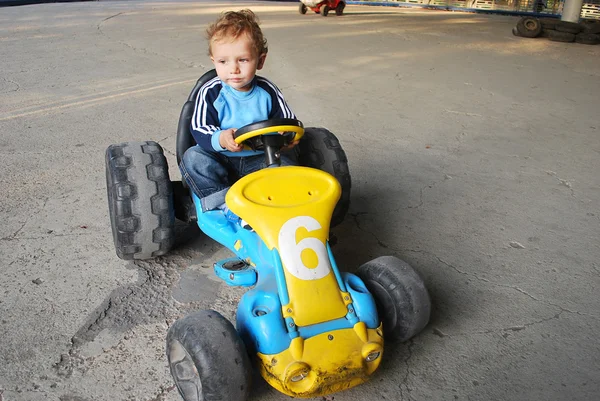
235,68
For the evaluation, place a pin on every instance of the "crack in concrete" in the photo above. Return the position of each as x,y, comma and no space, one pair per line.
505,331
18,87
141,50
421,196
473,275
70,151
165,149
355,217
563,182
404,381
421,190
464,113
164,390
50,235
14,235
107,18
512,287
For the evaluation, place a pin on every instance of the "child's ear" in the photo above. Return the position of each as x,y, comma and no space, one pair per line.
261,61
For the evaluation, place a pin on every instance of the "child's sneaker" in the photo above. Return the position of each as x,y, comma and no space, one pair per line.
245,225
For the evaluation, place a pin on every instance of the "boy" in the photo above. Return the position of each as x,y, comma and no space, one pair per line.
236,97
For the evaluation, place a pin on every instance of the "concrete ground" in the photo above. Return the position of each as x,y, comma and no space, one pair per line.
473,153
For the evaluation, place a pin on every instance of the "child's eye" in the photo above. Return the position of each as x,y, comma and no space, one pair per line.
221,61
244,60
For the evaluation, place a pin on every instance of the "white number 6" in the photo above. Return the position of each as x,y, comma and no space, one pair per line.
291,252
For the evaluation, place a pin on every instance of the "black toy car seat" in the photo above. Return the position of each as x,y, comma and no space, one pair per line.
185,139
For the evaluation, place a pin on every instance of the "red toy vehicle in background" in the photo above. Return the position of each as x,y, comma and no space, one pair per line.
322,6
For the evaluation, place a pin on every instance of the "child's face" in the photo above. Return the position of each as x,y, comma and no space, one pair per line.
236,61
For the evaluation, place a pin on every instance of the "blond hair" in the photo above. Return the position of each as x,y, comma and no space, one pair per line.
235,23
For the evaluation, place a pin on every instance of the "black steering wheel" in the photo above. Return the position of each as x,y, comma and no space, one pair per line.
270,135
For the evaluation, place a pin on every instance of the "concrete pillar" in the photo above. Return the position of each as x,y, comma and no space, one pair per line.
572,10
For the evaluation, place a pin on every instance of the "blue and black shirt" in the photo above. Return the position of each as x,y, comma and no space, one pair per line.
220,107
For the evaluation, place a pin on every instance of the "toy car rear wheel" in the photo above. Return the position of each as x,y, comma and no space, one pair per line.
207,358
339,10
140,200
302,8
320,149
402,300
324,10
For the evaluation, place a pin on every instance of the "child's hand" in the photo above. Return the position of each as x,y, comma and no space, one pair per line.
226,140
290,145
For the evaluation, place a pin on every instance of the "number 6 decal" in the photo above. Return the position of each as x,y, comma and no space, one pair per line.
291,252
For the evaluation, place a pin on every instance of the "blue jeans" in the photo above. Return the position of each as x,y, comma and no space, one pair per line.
210,174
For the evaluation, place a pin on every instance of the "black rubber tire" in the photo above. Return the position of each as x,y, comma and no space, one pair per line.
568,27
591,27
516,32
324,10
207,358
302,8
320,149
587,38
529,27
545,33
549,23
402,300
557,36
339,10
140,200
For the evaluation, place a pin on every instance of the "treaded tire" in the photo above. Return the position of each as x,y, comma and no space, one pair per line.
140,200
320,149
207,358
324,10
568,27
558,36
302,8
529,27
516,32
339,10
402,300
587,38
591,27
548,23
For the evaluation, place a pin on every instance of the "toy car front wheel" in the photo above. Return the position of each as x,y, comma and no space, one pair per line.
140,200
402,300
339,10
207,358
302,8
324,10
320,149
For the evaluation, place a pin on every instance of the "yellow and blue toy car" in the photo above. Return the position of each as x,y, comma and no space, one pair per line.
310,328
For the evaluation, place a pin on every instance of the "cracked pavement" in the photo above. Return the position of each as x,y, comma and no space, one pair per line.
473,153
